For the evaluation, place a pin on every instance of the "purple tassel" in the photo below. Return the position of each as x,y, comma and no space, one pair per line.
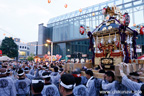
91,46
135,33
123,39
127,54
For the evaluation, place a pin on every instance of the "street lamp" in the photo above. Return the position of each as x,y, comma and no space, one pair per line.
46,45
49,41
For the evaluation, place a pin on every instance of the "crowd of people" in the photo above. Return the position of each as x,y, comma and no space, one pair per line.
51,79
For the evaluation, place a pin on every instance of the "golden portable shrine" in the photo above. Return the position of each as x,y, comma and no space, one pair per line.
115,44
114,40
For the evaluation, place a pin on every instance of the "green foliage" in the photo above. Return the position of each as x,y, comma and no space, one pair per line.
30,58
9,47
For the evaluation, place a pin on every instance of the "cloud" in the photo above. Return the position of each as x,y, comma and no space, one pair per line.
32,10
4,8
3,5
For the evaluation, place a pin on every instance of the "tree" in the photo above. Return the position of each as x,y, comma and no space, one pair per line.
9,47
30,58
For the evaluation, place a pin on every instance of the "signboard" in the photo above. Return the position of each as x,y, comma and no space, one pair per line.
84,55
68,55
138,49
66,58
0,52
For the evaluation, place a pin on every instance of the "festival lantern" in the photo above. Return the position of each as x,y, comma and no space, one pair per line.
117,43
104,11
81,30
65,5
80,10
60,57
99,45
49,1
142,31
93,14
45,56
57,56
107,17
0,52
134,24
126,19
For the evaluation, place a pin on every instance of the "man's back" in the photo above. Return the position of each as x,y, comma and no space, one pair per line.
23,86
50,90
7,87
80,90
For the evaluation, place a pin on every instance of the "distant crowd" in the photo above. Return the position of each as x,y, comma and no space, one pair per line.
51,79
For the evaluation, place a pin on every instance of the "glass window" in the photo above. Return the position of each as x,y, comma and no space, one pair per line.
131,19
66,30
127,1
137,2
118,2
93,22
138,41
128,5
87,22
76,29
142,39
62,33
56,34
111,4
22,53
71,29
138,16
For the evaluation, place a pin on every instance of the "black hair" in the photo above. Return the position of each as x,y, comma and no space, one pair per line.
75,72
26,63
89,72
110,74
38,87
14,68
142,89
19,72
4,66
61,69
102,71
46,73
77,80
134,74
26,69
60,66
68,79
56,69
44,66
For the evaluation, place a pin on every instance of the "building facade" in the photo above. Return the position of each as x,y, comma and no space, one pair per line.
33,48
23,49
64,30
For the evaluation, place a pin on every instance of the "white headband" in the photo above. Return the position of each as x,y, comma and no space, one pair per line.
135,77
3,72
21,74
46,76
67,86
26,70
37,81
